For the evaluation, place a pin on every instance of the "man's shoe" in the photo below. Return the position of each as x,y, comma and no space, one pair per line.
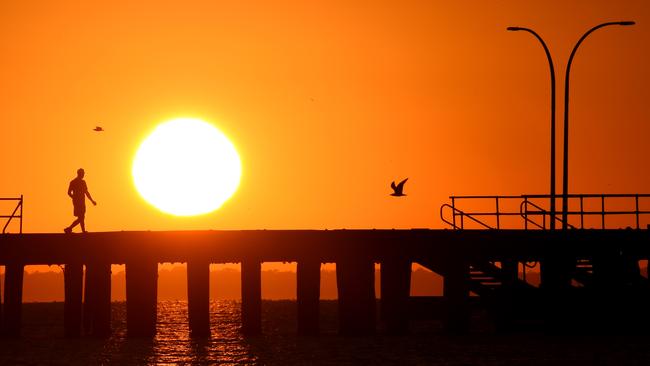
67,230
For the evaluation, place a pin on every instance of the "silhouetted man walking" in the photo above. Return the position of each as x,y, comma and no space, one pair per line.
78,190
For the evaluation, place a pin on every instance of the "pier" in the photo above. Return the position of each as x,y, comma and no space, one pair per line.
587,271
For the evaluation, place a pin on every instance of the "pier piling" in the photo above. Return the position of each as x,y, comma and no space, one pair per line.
141,298
355,280
456,295
72,284
13,299
251,297
506,307
97,304
556,289
395,292
198,298
1,306
308,296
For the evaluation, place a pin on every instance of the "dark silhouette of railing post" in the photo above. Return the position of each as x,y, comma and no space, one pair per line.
355,281
72,307
97,301
251,296
141,298
565,166
13,300
395,293
552,71
198,297
308,295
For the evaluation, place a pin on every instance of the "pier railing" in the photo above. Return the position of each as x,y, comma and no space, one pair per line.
17,213
529,211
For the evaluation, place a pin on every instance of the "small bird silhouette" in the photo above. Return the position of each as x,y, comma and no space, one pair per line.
398,189
98,129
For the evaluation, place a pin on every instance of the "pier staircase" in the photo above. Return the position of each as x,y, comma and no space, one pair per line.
486,279
583,276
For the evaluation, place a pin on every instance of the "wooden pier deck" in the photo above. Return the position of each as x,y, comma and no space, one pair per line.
484,262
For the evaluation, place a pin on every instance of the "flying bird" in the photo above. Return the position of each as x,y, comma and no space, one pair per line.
98,129
398,189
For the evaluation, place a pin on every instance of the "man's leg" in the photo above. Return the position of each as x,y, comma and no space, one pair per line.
69,228
82,222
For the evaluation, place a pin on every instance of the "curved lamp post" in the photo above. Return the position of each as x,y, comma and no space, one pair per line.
565,170
552,69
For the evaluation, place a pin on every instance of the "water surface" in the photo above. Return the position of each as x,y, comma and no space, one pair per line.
43,342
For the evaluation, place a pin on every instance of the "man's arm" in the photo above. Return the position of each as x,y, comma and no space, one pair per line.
91,198
70,190
88,194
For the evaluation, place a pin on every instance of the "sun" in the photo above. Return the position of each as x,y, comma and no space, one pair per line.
186,167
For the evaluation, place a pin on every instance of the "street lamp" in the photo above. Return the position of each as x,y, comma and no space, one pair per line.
552,69
565,176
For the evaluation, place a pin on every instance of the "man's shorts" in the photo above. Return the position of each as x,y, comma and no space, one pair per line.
80,209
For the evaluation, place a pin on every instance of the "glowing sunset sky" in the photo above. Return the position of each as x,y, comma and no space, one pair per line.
326,102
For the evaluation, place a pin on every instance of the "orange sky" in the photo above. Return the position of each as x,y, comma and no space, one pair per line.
436,91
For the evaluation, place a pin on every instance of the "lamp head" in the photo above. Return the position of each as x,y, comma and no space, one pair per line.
627,22
513,28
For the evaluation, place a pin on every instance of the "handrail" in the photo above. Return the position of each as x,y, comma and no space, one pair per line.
589,195
632,208
484,197
540,211
13,214
524,214
457,212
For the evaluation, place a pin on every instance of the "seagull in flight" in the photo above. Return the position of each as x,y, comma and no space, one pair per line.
398,189
98,129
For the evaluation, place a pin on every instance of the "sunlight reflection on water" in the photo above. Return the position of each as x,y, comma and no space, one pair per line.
172,343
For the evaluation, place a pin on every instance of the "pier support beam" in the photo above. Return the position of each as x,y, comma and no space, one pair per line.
510,270
505,308
198,298
141,298
13,299
456,295
251,297
308,295
97,302
1,306
616,292
355,280
556,272
395,293
73,286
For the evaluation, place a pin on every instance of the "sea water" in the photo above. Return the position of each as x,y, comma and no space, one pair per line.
43,343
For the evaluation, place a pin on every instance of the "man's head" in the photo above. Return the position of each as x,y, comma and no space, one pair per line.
80,173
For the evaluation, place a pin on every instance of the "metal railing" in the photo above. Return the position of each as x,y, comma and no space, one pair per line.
457,220
19,216
526,212
531,211
463,215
